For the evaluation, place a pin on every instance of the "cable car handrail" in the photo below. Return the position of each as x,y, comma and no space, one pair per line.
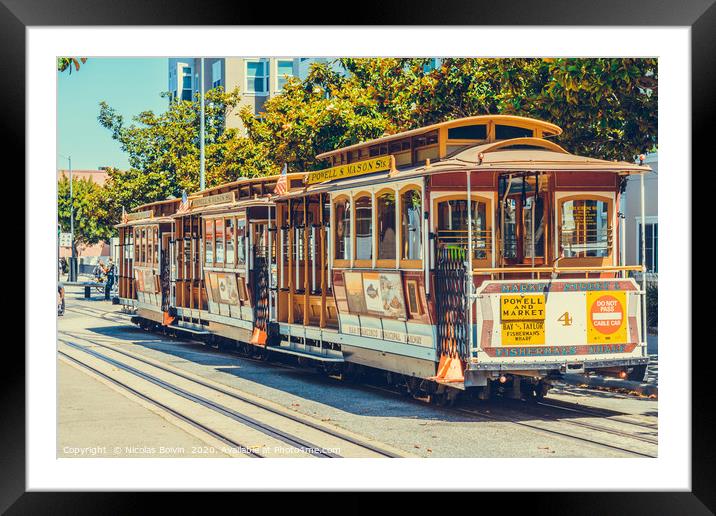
599,268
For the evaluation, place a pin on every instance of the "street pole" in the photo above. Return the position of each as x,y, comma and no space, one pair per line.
73,258
201,144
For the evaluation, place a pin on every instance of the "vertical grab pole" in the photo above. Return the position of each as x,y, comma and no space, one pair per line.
426,246
643,260
469,262
270,274
534,208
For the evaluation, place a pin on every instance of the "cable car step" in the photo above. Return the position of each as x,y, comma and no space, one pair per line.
312,356
189,330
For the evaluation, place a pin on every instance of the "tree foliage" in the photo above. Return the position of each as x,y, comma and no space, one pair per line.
606,107
163,149
65,63
94,217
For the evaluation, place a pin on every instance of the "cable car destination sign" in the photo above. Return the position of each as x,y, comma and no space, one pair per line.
351,169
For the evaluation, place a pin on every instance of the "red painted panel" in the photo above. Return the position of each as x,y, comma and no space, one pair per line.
457,180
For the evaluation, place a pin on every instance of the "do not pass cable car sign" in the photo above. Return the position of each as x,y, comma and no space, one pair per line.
606,317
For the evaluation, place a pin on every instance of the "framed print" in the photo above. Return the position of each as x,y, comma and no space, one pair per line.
500,120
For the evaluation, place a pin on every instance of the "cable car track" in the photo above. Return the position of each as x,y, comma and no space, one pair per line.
539,428
193,422
243,419
593,411
552,404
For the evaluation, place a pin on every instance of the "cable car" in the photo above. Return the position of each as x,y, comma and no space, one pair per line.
470,255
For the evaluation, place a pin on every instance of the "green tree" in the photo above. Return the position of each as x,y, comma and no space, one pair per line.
94,218
607,107
163,149
65,63
321,113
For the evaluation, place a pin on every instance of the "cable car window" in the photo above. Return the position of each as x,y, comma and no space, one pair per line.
155,253
364,228
343,229
386,226
219,241
539,225
241,242
230,241
137,246
412,211
452,226
507,132
468,132
209,242
509,237
143,256
585,229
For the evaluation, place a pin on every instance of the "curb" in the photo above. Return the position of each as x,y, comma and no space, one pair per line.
645,389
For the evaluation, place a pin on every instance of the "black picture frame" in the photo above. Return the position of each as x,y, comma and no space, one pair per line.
699,15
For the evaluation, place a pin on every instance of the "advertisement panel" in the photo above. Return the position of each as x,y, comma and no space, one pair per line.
539,318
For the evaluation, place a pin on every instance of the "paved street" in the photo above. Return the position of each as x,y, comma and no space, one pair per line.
99,415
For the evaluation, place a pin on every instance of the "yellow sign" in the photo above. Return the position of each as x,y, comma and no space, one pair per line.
606,317
139,215
522,308
213,199
350,170
522,333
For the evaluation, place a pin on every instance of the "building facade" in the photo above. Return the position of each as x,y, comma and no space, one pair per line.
632,212
87,255
257,78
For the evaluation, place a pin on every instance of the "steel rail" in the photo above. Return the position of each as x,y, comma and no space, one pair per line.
264,428
187,419
244,399
594,411
592,426
499,418
515,421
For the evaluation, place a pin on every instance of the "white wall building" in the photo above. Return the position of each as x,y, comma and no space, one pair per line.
631,207
258,78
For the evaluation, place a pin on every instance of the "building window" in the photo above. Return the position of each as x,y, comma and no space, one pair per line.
216,74
386,226
585,229
431,65
364,228
284,71
257,76
652,248
343,229
186,85
412,211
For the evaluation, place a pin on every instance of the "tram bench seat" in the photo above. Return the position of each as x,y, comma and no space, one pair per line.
88,286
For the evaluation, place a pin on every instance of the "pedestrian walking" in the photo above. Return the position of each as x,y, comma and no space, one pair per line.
111,271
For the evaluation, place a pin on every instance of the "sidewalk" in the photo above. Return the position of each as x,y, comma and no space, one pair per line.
96,420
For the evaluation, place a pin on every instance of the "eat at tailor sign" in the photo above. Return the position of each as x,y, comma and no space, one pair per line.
606,317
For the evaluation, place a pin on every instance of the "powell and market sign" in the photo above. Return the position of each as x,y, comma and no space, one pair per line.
351,169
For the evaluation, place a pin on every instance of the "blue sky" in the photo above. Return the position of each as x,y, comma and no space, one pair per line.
130,85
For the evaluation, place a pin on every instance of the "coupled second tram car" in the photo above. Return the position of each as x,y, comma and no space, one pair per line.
470,255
